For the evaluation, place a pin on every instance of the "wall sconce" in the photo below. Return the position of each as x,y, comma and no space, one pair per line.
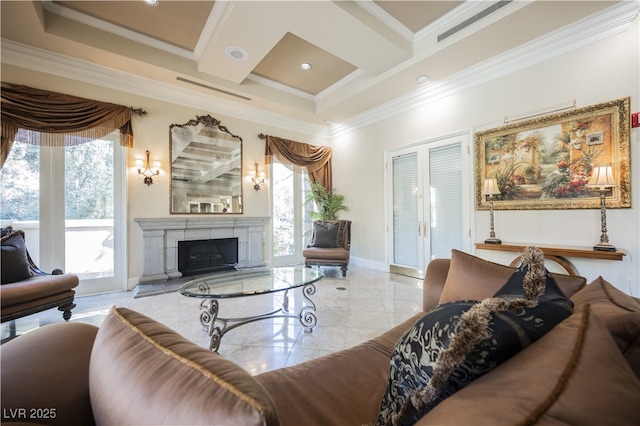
257,177
601,180
148,172
490,189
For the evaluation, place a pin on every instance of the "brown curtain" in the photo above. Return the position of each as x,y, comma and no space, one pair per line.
40,117
316,159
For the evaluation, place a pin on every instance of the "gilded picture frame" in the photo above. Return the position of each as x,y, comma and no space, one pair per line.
545,163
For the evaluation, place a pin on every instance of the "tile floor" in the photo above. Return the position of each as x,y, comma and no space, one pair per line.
350,310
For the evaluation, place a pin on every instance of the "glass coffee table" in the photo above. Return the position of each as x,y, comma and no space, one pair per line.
236,284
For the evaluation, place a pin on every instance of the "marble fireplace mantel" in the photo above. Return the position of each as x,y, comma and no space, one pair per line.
160,238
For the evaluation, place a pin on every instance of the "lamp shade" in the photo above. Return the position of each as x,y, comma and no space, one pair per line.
602,177
490,187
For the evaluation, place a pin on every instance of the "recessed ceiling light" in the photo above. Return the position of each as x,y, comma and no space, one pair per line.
305,66
236,53
328,122
422,79
151,2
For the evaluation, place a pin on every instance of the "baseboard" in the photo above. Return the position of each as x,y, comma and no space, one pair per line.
368,263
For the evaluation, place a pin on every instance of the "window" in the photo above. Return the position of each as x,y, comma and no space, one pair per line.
68,201
290,214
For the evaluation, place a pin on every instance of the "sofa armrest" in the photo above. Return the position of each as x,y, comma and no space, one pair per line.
45,375
342,388
434,279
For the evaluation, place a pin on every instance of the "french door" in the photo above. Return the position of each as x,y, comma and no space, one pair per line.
429,210
290,214
70,203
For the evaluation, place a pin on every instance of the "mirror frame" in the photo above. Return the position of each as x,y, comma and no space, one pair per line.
194,127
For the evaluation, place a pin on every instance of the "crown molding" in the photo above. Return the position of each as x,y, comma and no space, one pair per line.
389,21
589,30
452,18
56,9
219,13
36,59
281,87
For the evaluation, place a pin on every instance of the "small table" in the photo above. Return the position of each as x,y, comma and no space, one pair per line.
247,283
557,254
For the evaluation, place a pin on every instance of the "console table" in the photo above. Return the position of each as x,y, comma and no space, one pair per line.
557,254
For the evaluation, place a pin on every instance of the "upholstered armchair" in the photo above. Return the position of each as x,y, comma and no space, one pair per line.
25,288
330,244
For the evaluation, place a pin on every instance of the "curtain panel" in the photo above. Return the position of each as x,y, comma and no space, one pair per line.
40,117
316,159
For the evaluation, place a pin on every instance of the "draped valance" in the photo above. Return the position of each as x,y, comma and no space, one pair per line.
40,117
316,159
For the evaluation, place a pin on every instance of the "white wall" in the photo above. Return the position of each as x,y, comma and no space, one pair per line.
600,72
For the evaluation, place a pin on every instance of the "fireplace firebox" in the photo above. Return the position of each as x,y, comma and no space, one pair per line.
203,256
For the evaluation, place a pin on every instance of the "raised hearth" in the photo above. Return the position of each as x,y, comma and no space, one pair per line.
161,235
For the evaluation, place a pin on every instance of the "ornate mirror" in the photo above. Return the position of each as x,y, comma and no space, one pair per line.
206,168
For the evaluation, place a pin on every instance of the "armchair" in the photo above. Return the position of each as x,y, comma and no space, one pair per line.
330,244
26,289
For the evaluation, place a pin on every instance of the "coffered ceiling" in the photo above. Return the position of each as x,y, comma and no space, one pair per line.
361,53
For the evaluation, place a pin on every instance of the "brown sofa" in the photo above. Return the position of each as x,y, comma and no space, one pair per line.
134,370
25,288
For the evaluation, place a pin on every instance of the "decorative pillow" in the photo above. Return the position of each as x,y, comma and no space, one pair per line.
141,372
325,234
15,265
619,312
457,342
574,375
473,278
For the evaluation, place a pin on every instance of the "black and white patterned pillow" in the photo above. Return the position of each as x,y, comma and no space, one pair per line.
421,377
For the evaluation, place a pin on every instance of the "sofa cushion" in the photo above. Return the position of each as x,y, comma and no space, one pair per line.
331,254
573,375
325,234
433,283
457,342
473,278
36,288
46,373
144,373
15,265
619,312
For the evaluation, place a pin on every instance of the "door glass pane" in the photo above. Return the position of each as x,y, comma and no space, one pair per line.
445,181
283,211
405,210
89,209
20,189
307,208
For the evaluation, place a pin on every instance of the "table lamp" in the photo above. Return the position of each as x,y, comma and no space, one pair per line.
601,180
489,190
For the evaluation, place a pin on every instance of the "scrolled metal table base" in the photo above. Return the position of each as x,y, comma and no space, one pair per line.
217,327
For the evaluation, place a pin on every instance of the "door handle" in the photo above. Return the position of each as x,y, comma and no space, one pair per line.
419,229
425,228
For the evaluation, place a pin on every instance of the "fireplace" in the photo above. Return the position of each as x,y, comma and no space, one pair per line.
160,238
202,256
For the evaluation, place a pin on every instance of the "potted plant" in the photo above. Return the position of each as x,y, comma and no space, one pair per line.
327,202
